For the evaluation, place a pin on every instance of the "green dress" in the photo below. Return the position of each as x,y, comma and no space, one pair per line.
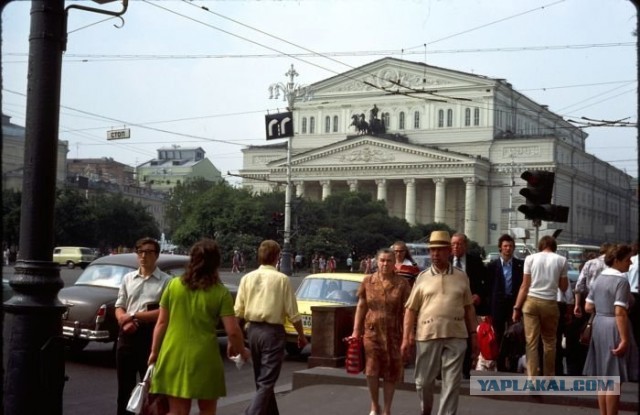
189,363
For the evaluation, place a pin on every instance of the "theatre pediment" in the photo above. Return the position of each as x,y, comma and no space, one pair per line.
397,76
372,151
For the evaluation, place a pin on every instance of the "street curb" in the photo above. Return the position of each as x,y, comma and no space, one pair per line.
338,376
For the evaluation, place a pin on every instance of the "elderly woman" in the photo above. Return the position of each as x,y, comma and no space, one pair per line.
612,351
378,320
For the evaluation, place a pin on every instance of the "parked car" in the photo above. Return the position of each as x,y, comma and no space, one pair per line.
72,256
326,289
90,302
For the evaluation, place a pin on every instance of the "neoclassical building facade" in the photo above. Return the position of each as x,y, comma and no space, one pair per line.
453,149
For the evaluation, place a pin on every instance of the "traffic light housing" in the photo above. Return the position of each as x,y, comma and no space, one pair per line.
537,193
538,198
277,219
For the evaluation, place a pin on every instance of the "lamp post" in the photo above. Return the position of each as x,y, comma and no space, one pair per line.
34,380
290,92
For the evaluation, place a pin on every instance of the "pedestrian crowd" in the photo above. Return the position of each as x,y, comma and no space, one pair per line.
432,319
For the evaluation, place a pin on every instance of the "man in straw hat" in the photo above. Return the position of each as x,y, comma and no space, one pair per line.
441,304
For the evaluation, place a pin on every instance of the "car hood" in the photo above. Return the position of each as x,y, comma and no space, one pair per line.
88,294
304,307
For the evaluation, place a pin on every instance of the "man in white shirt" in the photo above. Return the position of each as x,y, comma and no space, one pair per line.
544,273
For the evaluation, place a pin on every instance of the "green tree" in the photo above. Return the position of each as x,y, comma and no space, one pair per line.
74,221
120,221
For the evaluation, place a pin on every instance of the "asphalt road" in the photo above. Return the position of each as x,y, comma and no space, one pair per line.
92,385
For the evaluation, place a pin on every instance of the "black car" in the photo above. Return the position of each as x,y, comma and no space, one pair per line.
90,302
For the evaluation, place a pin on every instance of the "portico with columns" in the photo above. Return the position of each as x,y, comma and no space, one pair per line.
417,184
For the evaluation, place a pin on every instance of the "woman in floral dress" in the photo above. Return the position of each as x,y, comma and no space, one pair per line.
378,321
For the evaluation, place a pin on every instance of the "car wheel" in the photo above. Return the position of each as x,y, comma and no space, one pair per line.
70,265
292,349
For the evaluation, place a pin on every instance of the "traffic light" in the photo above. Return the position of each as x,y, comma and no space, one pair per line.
538,198
277,219
537,194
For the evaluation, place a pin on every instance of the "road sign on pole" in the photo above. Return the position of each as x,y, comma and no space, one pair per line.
118,134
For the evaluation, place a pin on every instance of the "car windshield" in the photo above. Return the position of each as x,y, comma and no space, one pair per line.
329,290
103,275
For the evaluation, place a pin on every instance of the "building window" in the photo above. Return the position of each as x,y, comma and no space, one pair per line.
386,119
449,118
416,120
304,125
401,120
476,116
440,118
335,123
327,124
467,117
312,125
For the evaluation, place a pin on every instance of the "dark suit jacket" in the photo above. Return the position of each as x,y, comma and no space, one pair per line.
477,273
496,283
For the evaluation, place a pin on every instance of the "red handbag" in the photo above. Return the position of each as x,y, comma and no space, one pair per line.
354,362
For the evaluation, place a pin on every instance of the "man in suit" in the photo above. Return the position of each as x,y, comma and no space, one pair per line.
505,278
477,273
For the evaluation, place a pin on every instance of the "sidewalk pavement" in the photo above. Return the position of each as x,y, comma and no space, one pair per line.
324,390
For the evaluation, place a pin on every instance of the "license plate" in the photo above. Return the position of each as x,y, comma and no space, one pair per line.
306,322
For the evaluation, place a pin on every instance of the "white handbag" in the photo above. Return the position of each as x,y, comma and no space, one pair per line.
140,392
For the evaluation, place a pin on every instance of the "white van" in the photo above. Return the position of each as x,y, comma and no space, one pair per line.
72,256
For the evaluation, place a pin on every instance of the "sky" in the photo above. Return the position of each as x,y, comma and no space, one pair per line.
196,73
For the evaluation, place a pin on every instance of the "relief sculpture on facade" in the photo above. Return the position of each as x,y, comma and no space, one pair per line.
520,152
367,155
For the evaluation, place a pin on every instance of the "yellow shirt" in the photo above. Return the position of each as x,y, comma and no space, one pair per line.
439,300
265,295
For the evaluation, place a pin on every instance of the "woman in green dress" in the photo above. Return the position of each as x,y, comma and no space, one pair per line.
185,348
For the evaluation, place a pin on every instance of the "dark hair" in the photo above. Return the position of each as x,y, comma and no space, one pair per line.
148,240
604,248
202,271
268,252
506,238
547,242
384,251
407,253
618,252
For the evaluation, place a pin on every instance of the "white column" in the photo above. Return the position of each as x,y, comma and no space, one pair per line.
470,217
326,188
439,211
382,189
410,201
299,188
353,185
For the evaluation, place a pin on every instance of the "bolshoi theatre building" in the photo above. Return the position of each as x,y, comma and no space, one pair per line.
439,145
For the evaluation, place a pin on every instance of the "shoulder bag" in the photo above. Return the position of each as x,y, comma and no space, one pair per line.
585,333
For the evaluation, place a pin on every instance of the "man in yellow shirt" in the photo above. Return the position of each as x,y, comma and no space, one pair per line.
265,298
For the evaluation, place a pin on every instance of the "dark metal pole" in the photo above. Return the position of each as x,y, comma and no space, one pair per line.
35,370
637,4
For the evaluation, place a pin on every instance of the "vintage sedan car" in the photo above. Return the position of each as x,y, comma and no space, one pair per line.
90,302
325,289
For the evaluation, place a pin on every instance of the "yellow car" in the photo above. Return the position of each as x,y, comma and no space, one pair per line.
318,290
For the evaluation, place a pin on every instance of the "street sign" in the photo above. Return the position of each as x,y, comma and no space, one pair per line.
118,134
279,125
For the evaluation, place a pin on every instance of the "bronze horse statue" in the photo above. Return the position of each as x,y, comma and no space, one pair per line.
359,123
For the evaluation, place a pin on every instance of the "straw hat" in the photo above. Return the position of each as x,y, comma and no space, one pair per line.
439,239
